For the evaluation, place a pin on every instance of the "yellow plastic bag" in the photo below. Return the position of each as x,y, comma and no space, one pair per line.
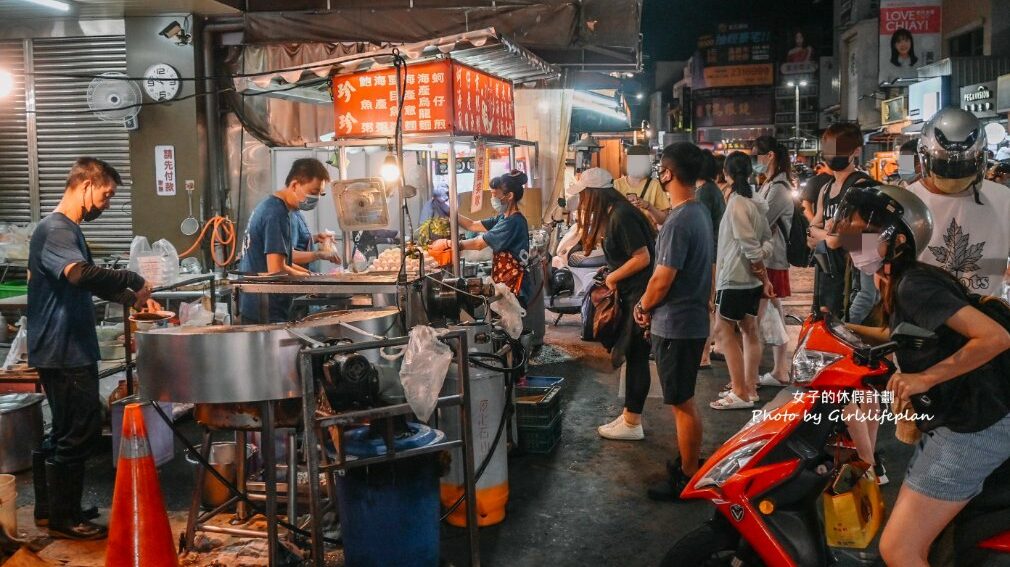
854,514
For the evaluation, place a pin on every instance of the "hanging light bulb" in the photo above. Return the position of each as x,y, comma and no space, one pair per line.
390,169
6,83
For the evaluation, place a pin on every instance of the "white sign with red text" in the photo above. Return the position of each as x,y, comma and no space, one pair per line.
164,170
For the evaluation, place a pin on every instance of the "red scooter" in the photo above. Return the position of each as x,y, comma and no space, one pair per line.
766,482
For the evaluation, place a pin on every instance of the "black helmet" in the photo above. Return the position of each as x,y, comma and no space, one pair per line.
891,210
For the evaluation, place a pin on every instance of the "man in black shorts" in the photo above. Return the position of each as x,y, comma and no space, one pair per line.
675,307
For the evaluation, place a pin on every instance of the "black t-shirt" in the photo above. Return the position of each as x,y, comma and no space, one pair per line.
812,189
627,231
967,403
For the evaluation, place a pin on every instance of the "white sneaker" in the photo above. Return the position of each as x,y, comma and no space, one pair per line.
620,430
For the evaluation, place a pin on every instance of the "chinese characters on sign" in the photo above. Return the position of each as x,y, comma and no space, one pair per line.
749,108
477,196
910,37
164,170
438,97
483,104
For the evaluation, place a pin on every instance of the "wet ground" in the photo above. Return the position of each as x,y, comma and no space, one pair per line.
584,504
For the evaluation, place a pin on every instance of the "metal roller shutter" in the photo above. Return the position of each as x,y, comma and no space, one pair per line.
67,129
15,184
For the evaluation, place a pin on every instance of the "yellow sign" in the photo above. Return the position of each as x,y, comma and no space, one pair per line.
739,75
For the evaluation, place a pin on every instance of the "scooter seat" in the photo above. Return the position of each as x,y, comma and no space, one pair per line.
579,260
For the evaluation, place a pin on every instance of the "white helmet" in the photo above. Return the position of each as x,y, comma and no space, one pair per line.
952,150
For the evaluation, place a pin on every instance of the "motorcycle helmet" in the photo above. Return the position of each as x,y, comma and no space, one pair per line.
952,151
561,282
890,211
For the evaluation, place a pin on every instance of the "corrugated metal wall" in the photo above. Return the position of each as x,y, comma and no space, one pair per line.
15,192
65,129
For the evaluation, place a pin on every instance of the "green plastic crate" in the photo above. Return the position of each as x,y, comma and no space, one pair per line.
541,440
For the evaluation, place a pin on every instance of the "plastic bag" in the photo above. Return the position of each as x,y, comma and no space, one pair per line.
506,305
19,346
773,328
158,263
194,315
426,361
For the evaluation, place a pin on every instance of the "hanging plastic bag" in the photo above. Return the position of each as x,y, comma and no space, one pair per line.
853,508
19,346
773,328
506,305
426,361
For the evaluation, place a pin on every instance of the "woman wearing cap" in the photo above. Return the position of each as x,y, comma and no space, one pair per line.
507,234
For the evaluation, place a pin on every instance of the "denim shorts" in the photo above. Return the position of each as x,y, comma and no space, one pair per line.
953,466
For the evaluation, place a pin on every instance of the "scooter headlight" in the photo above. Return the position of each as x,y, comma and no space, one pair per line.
730,464
808,363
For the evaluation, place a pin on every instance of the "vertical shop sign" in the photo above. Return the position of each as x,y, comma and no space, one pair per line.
164,170
484,104
479,174
910,37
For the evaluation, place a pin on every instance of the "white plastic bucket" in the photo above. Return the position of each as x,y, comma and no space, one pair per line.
9,504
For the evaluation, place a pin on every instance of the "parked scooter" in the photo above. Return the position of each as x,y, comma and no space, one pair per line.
570,273
766,482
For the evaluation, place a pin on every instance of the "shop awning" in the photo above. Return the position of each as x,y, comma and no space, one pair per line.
485,50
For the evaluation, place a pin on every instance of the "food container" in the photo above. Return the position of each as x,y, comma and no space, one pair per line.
20,430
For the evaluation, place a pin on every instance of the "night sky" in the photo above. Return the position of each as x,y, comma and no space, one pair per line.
671,27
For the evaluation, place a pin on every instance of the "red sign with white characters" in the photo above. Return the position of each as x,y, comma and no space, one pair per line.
442,97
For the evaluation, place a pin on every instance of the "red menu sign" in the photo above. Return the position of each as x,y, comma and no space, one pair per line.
483,104
439,97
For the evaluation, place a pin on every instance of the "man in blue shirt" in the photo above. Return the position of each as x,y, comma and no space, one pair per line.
267,247
63,345
675,306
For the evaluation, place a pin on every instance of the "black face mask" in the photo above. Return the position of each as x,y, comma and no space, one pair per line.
838,163
92,213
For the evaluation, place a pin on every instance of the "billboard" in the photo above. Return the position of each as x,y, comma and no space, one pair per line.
909,37
798,55
736,56
438,97
717,108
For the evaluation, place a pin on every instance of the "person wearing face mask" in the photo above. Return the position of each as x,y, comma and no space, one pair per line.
507,234
640,188
63,344
971,215
842,145
267,247
438,205
909,170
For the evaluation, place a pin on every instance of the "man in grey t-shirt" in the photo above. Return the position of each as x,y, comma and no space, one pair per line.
675,307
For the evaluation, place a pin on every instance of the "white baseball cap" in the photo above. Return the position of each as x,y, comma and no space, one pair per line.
592,177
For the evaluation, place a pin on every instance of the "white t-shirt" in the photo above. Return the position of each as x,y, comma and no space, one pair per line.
969,240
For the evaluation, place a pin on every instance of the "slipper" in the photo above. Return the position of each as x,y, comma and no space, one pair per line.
730,402
755,398
767,379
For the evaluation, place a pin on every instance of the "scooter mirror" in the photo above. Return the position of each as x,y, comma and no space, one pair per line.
911,337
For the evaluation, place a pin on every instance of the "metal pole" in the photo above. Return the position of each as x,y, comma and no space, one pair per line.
797,116
344,235
453,209
311,456
465,427
267,444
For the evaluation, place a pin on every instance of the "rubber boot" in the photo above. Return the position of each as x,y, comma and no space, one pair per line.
39,457
41,490
66,487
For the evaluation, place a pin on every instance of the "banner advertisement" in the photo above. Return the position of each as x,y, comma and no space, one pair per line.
739,75
910,37
747,107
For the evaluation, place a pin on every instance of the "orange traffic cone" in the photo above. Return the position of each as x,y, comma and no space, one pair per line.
139,534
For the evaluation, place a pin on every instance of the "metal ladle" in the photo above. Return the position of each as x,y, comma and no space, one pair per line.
190,225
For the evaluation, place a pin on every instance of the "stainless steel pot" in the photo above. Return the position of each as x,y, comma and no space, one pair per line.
20,430
243,363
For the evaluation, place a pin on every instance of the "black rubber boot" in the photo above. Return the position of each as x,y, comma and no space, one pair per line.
66,486
39,457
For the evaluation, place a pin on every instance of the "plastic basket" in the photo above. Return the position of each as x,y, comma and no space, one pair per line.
541,440
537,407
545,382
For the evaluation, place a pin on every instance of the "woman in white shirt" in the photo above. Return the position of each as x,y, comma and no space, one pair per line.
745,243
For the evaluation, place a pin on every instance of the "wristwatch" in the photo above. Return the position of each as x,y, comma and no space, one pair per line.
640,309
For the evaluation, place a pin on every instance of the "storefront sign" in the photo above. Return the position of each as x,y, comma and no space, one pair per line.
750,107
1003,94
739,75
164,170
926,97
479,175
909,37
893,110
735,44
980,99
438,97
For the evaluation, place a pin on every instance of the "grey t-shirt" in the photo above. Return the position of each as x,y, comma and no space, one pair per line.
685,244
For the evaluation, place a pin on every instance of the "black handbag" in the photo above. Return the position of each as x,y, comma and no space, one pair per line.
601,313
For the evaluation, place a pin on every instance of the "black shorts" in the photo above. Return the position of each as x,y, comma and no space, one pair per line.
677,363
735,304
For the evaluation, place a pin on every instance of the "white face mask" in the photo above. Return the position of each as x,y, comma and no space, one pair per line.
497,205
868,259
639,166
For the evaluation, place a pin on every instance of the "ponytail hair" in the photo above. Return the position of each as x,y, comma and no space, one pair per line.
738,171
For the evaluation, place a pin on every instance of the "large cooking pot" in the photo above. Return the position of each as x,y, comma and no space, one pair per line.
20,430
244,363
